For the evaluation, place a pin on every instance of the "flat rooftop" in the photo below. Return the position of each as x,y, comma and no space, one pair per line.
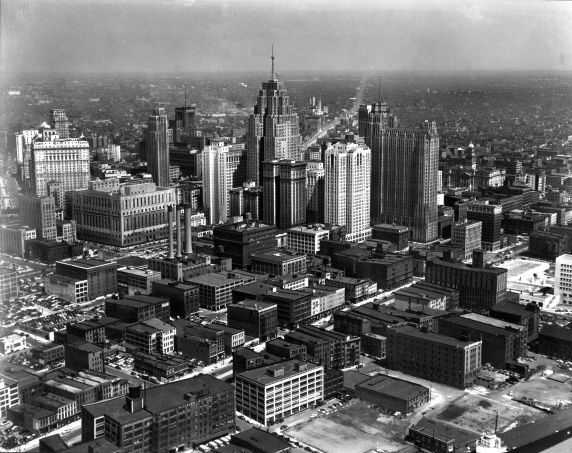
432,337
390,228
261,376
277,257
261,441
216,279
446,431
388,385
557,333
492,321
85,263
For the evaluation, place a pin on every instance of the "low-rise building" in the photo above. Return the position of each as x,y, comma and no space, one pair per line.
48,354
70,289
151,335
90,331
138,308
81,355
160,366
215,289
9,395
233,338
184,297
269,394
435,357
439,436
555,341
277,263
393,394
306,239
256,319
101,275
202,343
12,343
131,281
196,410
525,315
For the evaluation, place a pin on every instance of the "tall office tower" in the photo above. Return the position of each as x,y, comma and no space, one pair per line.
346,186
491,216
63,160
23,141
406,180
215,189
185,124
563,279
39,213
273,129
284,193
157,144
315,186
372,120
59,122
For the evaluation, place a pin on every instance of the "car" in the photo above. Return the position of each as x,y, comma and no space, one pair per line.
314,415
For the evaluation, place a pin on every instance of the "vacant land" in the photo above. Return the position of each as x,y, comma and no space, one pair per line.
355,428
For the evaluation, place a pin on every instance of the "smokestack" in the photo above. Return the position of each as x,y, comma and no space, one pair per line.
188,239
179,237
170,221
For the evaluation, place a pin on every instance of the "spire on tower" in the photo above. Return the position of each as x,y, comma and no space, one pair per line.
272,57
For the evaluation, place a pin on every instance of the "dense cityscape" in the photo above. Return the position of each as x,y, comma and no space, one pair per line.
287,261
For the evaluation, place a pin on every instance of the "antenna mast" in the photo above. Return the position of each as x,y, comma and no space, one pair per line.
272,57
185,85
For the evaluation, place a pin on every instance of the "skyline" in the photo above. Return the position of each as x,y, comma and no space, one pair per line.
176,36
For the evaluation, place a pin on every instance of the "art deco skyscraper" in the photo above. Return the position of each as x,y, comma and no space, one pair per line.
273,129
408,165
347,185
284,194
157,143
372,120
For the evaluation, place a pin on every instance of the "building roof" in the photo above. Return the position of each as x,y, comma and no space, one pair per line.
31,410
557,333
511,308
445,431
277,257
87,325
493,321
431,337
486,270
523,435
388,385
54,443
84,346
216,279
390,228
175,284
353,378
160,398
86,263
151,325
282,370
260,441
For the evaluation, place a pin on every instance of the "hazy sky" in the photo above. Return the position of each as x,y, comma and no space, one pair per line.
236,35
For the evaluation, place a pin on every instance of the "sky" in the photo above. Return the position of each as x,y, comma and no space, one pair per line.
185,36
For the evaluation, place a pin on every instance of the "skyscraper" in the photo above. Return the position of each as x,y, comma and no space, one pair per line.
315,187
223,169
273,129
63,160
406,170
372,120
157,143
284,193
347,185
185,126
39,213
59,122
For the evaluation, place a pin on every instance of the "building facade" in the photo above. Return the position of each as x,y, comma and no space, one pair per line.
347,189
157,147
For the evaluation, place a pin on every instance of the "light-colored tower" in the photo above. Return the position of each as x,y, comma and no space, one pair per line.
273,129
157,143
59,122
347,168
39,213
215,182
63,160
408,174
